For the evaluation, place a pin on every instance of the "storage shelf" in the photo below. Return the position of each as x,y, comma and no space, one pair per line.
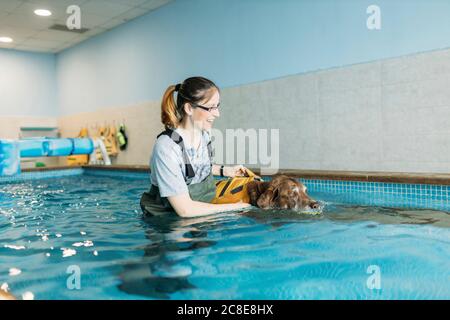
38,128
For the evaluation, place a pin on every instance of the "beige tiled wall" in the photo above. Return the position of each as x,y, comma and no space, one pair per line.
390,115
142,124
10,126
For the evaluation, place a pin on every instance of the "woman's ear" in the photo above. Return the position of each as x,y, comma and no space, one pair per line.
188,108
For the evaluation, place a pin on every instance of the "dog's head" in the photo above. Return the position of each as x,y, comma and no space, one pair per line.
283,192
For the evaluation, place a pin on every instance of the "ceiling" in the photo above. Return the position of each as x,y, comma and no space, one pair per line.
31,32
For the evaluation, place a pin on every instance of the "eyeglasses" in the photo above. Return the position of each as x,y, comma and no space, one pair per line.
209,109
195,105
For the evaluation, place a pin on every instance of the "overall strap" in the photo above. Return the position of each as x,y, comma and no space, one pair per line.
210,152
179,141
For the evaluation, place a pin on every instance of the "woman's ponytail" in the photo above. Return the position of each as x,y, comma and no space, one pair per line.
169,114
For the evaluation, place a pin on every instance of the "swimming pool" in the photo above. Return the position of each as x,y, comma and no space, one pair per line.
90,222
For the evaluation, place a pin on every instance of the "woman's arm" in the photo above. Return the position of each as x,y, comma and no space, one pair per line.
185,207
234,171
216,169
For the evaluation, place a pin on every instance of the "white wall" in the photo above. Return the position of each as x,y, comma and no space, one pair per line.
236,42
27,84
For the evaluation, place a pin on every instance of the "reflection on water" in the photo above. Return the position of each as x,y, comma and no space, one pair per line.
259,254
352,213
389,215
162,270
159,273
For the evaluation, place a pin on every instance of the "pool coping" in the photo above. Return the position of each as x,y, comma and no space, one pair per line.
364,176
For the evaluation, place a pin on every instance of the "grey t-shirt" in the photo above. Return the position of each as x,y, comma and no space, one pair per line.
168,168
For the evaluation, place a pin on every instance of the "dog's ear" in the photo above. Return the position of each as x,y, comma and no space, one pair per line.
252,190
255,189
267,199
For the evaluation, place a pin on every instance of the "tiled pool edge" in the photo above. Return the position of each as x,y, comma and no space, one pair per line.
47,173
399,195
371,193
117,174
41,174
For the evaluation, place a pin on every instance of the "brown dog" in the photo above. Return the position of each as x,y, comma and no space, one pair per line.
282,192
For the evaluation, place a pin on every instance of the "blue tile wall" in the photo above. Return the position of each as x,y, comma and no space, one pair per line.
118,174
26,176
348,192
401,195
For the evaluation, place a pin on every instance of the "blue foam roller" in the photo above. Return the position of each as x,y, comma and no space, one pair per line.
82,146
59,147
9,158
33,148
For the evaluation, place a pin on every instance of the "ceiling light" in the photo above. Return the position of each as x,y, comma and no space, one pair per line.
6,39
43,12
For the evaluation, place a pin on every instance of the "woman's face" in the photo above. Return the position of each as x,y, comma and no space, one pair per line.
203,119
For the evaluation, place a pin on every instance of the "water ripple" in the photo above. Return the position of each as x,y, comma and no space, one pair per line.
258,255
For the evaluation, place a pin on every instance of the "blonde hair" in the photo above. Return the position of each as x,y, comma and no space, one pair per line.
169,113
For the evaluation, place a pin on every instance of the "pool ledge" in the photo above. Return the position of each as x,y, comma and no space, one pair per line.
365,176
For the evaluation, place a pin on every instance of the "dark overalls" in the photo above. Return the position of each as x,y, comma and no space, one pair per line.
153,204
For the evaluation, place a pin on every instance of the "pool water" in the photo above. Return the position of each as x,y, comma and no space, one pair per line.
92,224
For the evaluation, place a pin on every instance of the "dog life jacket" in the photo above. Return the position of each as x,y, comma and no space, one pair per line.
234,189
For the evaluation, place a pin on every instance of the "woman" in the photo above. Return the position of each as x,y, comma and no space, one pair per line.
181,165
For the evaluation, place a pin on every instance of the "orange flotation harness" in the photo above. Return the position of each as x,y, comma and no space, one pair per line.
234,189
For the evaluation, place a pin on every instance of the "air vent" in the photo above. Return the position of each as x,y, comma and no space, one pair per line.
61,27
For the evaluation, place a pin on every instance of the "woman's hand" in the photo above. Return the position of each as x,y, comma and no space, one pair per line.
236,171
